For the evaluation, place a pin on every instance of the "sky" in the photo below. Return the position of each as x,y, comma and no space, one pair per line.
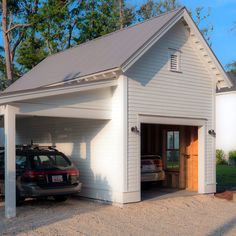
223,16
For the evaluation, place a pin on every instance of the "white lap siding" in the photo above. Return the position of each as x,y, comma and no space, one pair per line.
154,90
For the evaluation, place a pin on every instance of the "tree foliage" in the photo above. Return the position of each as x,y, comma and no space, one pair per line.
102,17
152,8
30,53
200,16
220,157
55,23
231,67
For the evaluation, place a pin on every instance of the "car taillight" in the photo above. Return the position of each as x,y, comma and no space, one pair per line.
158,163
73,172
33,175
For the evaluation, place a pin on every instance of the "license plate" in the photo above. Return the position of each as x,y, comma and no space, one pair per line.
148,168
57,178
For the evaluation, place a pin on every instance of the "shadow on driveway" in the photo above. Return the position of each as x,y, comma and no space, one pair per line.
154,191
36,213
224,229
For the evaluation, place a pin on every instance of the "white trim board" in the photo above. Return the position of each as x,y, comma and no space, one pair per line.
149,119
226,93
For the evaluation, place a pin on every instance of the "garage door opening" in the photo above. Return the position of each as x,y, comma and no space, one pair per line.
169,159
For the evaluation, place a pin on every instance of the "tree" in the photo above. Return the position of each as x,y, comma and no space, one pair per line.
54,30
153,8
121,7
200,16
3,80
61,24
56,21
231,67
30,53
103,17
2,69
44,27
8,60
13,31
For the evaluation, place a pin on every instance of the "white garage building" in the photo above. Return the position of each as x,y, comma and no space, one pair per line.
226,117
109,101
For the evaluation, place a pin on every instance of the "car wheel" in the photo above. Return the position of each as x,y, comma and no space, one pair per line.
59,198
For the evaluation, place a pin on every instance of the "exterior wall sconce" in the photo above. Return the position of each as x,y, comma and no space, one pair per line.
212,132
134,129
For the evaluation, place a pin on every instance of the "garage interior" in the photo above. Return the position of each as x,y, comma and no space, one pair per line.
177,146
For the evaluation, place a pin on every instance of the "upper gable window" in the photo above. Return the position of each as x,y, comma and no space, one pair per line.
175,60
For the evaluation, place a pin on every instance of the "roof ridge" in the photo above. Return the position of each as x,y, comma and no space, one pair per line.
116,31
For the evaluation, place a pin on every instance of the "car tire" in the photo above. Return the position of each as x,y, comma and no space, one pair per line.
60,198
19,199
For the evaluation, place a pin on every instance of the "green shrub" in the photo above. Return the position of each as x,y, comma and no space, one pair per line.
220,157
232,157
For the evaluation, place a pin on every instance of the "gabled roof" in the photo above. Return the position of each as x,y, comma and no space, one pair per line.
101,54
116,51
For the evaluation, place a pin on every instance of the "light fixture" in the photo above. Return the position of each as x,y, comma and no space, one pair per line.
134,129
212,132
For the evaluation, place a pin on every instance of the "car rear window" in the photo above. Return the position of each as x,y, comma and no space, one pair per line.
48,161
20,161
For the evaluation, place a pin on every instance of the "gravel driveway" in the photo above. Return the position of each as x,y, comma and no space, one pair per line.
189,215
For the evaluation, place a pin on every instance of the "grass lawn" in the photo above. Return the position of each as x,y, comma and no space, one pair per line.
226,176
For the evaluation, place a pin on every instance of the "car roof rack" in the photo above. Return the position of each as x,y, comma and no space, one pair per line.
33,147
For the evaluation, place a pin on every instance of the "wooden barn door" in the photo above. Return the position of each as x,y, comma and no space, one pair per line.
192,160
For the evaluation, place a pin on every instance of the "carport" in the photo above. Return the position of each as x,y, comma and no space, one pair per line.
83,101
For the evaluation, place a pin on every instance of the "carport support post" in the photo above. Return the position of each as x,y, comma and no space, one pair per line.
10,161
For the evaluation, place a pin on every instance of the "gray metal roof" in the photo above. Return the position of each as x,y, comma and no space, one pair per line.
104,53
232,77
